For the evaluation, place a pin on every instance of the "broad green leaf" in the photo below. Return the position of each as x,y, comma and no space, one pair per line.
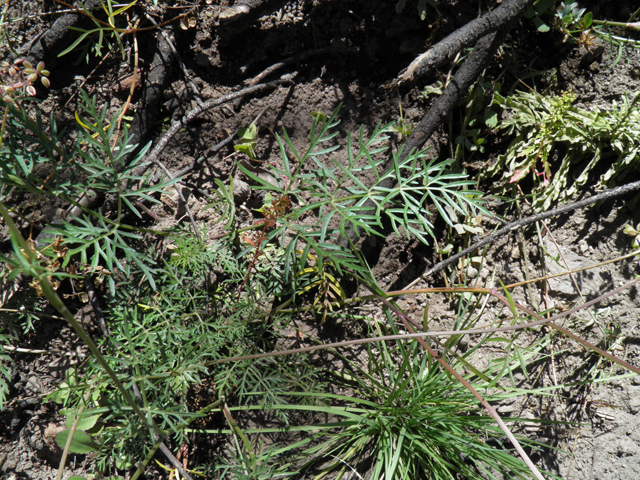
81,442
490,118
86,422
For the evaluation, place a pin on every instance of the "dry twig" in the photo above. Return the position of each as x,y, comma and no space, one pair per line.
464,37
509,227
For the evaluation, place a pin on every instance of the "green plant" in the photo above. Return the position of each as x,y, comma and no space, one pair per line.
19,77
89,166
247,141
115,27
403,128
164,340
402,415
558,145
191,253
328,288
410,418
421,6
316,183
478,121
168,335
635,233
26,261
95,36
571,20
578,26
537,10
5,370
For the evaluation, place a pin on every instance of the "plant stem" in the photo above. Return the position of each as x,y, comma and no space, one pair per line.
608,23
40,274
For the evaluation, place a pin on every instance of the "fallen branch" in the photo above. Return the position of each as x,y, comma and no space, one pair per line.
509,227
466,36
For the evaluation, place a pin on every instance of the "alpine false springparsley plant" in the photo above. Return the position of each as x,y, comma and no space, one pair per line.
330,195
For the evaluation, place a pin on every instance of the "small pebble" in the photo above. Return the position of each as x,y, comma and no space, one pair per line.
241,191
583,247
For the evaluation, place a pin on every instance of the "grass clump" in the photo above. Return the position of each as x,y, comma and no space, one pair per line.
410,419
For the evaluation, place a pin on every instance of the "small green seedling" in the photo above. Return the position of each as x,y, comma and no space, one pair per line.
635,233
247,143
402,127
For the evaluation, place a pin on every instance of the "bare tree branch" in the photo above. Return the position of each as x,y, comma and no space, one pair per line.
464,37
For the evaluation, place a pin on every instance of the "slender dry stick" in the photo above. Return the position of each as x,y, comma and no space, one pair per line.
296,59
525,252
571,276
566,332
67,445
635,253
132,88
86,79
346,343
176,463
612,193
405,320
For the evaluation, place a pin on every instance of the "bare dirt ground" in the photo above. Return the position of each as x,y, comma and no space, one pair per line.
348,52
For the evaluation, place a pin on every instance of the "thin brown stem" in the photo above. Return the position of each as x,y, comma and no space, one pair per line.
467,385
